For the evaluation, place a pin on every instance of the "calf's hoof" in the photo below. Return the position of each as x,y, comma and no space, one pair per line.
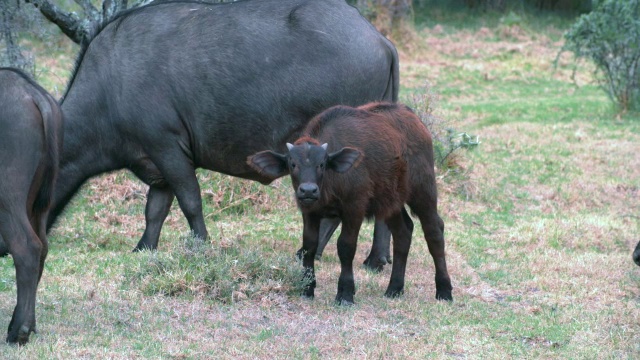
394,293
344,302
300,254
20,337
140,248
308,293
444,295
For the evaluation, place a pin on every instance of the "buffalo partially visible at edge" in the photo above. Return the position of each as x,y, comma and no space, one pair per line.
30,143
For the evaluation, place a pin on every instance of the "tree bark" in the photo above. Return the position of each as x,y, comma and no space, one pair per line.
70,24
13,54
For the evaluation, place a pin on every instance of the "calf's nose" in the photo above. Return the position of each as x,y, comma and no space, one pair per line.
308,190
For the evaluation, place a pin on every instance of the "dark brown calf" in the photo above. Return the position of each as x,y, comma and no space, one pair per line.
364,162
30,141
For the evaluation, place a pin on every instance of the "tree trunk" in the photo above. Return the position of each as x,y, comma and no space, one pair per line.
76,28
13,54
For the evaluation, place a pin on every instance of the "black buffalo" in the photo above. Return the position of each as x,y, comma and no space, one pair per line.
30,142
170,87
636,254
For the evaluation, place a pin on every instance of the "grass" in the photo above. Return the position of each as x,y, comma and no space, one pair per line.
541,219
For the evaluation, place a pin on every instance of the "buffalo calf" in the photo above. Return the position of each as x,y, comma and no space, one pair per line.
362,162
30,141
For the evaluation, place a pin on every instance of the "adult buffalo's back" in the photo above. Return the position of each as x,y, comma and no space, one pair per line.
170,87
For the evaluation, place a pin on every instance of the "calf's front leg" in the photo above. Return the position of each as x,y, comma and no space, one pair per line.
347,243
309,248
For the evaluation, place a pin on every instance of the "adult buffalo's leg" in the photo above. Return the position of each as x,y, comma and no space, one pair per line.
25,248
636,254
401,227
4,249
159,201
180,175
327,227
380,254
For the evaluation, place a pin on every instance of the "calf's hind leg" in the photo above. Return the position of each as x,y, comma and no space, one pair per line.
401,228
433,228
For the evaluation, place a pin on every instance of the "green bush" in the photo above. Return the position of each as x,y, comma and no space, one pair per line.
610,37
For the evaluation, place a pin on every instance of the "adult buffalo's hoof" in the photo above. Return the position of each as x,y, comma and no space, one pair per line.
376,264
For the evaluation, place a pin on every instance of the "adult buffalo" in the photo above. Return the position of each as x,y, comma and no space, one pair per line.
636,254
30,142
170,87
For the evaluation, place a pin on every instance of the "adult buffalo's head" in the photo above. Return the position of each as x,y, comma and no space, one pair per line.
306,162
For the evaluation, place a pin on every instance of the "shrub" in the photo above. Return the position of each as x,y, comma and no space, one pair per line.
447,145
446,140
610,37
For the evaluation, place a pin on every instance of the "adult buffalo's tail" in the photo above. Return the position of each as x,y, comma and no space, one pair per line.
52,125
393,87
636,254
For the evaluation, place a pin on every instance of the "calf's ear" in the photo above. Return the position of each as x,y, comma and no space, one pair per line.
343,159
269,164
